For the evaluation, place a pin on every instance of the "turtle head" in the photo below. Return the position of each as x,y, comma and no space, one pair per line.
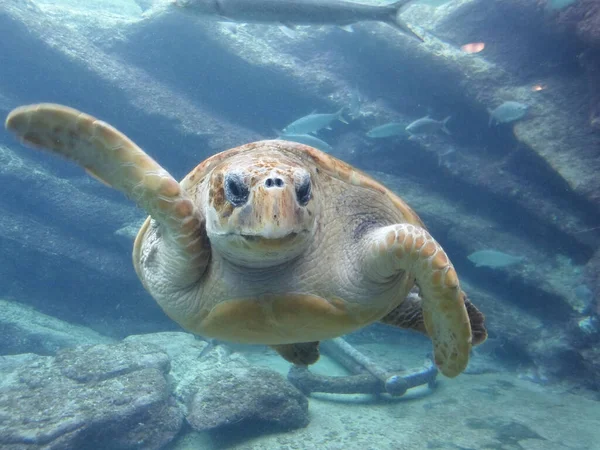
260,209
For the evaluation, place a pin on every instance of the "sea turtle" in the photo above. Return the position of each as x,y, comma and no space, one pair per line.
273,242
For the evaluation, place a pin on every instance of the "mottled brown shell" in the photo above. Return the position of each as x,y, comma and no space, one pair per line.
320,161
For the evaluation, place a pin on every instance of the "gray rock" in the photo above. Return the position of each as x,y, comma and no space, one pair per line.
100,362
23,329
219,388
190,359
228,397
104,396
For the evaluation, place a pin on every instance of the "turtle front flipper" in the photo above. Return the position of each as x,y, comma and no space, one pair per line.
110,156
409,315
406,248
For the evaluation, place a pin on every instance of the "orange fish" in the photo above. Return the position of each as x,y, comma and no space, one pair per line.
473,47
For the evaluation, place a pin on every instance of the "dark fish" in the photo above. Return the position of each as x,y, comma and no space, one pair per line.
300,12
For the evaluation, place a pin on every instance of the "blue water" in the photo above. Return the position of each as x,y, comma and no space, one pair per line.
185,88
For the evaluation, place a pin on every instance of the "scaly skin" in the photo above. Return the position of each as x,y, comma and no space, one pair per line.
412,249
111,157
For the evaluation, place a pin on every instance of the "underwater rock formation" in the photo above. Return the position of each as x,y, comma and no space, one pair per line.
25,330
74,244
583,17
216,388
592,278
136,394
247,397
103,396
590,61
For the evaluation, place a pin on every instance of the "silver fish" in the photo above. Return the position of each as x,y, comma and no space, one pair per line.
427,125
307,139
300,12
313,123
494,259
387,130
507,112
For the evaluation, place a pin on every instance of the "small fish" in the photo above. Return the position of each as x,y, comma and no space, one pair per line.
387,130
494,259
507,112
427,125
307,139
556,5
473,47
584,293
313,123
300,12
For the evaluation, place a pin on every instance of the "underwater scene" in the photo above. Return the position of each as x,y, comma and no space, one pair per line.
300,224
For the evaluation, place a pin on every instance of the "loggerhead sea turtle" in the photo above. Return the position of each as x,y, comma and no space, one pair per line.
273,242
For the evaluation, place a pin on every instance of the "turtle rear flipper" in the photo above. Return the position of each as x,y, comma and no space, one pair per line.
110,156
409,315
410,249
301,354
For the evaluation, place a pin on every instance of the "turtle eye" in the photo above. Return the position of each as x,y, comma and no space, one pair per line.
236,191
303,190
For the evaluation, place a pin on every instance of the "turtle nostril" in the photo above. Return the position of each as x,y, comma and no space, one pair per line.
271,182
236,191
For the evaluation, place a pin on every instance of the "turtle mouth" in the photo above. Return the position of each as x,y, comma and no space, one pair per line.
258,237
257,250
272,243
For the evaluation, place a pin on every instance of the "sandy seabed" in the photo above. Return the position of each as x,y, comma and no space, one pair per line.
471,412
